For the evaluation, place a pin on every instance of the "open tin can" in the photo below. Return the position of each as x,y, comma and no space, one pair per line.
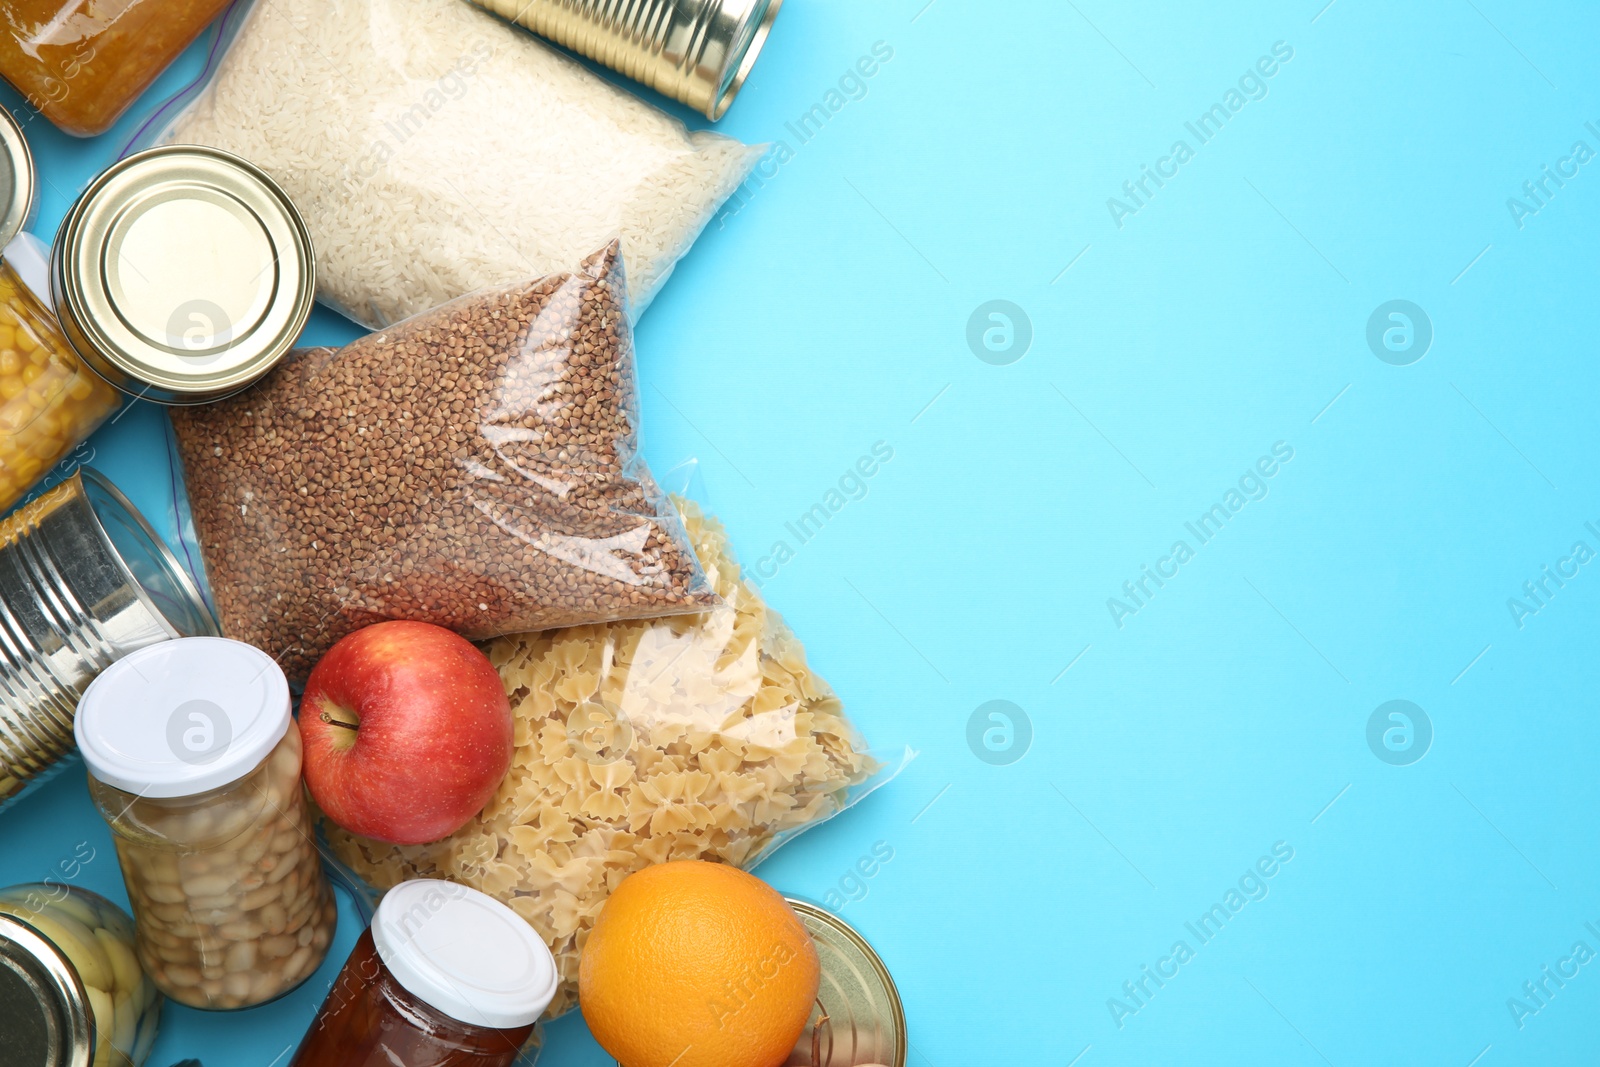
84,581
183,275
699,52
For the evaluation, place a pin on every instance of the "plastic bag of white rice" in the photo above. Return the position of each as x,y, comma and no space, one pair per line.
435,150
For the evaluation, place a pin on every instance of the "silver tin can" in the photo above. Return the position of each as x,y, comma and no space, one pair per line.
84,581
44,1009
183,274
699,52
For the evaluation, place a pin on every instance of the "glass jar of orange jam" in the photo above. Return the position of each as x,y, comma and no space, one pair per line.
82,62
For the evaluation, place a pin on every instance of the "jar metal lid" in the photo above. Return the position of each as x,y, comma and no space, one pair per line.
183,275
183,717
858,1018
48,1019
18,185
464,953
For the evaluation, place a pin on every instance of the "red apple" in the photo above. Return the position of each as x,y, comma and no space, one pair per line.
407,732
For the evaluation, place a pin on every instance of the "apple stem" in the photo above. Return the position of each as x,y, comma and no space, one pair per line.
331,721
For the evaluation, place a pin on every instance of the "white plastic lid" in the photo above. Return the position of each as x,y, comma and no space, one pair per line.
183,717
464,953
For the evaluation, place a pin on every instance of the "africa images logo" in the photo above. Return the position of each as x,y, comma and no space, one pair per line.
999,333
1399,332
198,732
999,733
1399,733
1252,886
1137,193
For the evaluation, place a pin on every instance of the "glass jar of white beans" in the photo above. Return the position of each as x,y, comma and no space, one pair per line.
215,840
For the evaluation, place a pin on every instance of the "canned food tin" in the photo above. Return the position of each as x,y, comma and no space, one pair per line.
859,1019
83,582
183,274
699,52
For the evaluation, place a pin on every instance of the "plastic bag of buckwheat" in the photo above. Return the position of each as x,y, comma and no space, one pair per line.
475,467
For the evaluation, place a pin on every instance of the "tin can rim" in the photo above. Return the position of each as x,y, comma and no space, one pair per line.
126,371
15,215
743,63
23,942
92,482
897,1011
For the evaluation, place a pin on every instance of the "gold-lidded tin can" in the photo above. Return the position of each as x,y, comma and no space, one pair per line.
699,52
183,275
859,1019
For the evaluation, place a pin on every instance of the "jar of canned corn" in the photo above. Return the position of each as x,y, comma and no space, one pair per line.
49,400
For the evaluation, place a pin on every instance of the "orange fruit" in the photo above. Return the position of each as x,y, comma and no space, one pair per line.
695,964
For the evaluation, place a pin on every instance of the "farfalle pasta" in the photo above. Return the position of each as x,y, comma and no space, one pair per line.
694,737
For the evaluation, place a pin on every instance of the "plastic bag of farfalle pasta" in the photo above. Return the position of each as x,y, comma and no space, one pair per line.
695,737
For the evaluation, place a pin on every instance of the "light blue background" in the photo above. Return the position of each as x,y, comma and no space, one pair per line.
1229,313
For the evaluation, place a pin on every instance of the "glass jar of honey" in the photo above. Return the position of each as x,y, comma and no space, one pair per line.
446,977
195,763
82,62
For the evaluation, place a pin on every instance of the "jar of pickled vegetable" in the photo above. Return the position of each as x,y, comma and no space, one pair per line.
82,62
195,763
71,988
446,977
49,400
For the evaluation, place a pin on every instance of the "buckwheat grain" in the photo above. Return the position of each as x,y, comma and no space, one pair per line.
475,467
